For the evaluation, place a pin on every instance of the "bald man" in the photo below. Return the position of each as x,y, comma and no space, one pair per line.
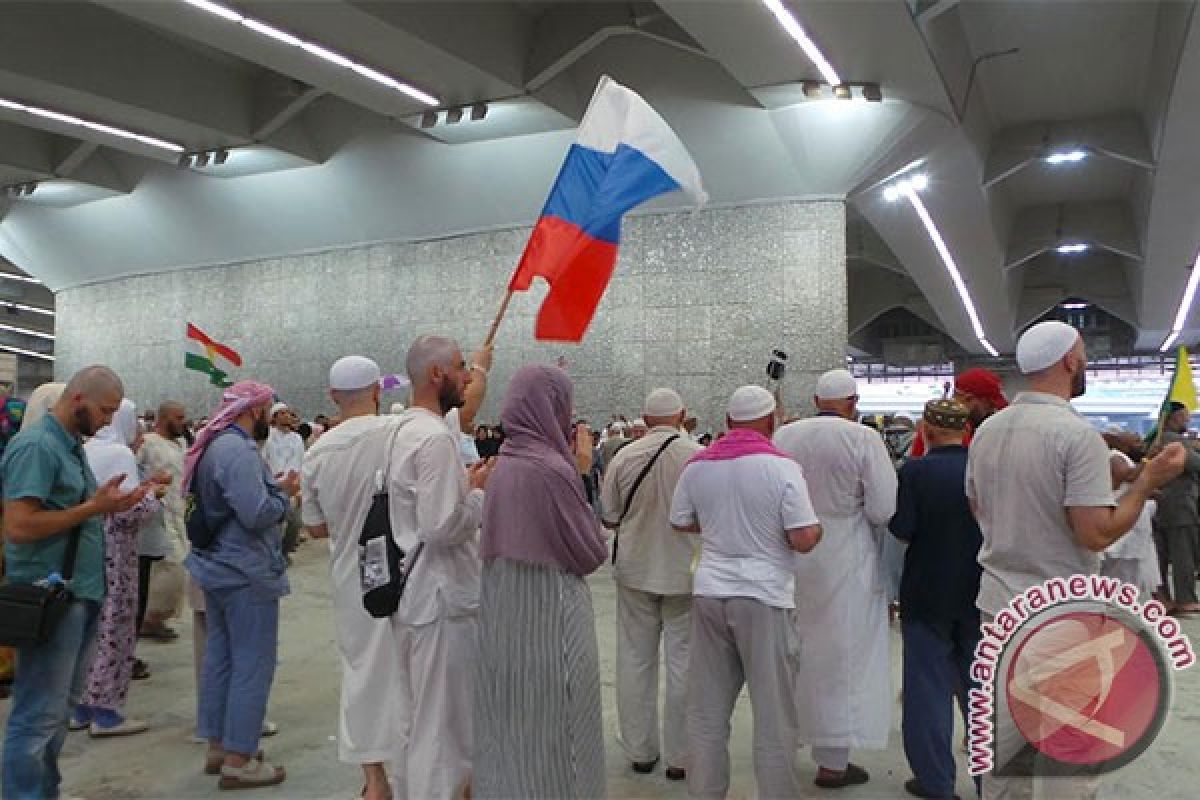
162,541
51,504
437,507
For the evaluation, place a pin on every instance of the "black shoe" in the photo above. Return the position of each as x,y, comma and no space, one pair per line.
141,670
917,790
676,774
851,776
645,767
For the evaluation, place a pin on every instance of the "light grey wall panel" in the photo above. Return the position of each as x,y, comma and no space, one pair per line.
697,303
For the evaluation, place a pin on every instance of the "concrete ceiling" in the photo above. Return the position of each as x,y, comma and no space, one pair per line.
976,92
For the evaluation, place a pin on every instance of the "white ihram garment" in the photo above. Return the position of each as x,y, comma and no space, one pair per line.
844,686
339,480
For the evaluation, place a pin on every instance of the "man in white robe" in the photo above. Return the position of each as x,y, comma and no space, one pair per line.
844,687
339,480
283,453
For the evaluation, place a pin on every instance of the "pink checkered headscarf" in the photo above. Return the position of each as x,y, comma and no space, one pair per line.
235,401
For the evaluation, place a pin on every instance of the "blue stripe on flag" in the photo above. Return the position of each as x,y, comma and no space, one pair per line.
594,189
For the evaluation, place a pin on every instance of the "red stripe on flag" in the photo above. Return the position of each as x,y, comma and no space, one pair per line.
578,269
226,352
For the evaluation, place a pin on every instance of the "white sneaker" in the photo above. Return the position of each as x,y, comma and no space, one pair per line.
128,727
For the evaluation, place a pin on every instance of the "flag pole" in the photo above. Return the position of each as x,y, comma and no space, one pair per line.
491,337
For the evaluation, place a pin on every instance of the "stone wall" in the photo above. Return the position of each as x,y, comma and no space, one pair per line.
697,303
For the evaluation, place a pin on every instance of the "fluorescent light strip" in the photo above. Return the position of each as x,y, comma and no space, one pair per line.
797,32
12,276
1070,157
1185,305
32,309
948,260
24,352
100,127
1072,249
323,53
27,331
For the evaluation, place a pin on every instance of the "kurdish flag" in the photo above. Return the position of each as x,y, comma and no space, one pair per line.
624,154
203,354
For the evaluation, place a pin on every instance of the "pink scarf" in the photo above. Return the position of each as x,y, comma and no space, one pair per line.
235,401
737,443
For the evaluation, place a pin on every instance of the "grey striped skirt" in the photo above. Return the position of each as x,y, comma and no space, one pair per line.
539,732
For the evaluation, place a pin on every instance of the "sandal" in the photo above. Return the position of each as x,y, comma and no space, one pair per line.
215,759
255,774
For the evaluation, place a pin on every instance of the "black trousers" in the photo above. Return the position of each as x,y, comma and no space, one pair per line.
145,564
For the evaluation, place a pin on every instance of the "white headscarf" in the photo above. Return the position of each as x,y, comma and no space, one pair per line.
109,453
41,401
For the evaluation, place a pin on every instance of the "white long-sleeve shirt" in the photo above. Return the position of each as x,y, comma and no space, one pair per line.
283,452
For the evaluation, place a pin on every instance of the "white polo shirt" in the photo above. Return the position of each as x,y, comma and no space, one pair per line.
744,507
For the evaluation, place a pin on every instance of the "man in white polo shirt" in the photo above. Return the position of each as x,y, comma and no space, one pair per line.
749,503
1039,481
653,570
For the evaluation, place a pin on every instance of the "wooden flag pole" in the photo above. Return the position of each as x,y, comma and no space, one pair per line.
491,337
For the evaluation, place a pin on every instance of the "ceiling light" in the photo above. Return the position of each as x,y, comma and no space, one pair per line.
916,183
49,312
26,331
891,194
919,182
789,23
1073,306
24,352
909,189
1185,305
1067,157
100,127
1072,249
323,53
12,276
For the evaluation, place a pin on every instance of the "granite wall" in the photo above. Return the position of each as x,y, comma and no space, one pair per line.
697,303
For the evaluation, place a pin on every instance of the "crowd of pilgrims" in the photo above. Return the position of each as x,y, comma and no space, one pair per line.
773,556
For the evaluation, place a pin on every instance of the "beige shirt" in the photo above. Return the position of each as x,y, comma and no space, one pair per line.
164,534
651,555
1027,464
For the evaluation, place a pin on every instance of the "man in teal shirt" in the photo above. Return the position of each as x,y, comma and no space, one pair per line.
49,491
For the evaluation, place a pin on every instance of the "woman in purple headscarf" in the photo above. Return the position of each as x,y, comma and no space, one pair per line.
539,730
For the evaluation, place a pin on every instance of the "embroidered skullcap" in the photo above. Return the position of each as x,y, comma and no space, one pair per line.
945,412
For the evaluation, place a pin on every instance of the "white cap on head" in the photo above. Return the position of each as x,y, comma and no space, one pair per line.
750,403
837,384
397,408
1114,428
275,409
353,372
638,423
662,403
1044,345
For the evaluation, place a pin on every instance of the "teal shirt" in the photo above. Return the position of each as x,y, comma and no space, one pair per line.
45,462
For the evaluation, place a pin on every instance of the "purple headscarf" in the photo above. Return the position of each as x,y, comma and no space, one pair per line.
535,509
235,401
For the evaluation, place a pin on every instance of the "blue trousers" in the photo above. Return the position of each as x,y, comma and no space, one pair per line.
937,668
239,665
49,683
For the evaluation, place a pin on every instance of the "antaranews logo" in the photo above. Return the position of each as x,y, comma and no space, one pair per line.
1074,679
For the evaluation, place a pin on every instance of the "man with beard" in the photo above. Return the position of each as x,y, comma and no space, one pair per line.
981,391
1177,521
161,541
436,508
243,575
50,499
1040,485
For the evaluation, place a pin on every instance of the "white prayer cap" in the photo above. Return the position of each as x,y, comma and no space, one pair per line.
275,409
353,372
397,408
750,403
1114,428
837,384
639,423
663,403
1044,345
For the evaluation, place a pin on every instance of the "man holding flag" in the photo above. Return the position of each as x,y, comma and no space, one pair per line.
1177,522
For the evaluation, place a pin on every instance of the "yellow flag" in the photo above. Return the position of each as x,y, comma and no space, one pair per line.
1183,388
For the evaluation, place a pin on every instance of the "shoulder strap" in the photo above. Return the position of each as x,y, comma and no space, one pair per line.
68,569
636,485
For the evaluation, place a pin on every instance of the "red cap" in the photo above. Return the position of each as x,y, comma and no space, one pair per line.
984,384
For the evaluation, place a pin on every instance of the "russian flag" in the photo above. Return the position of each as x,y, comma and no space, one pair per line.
624,154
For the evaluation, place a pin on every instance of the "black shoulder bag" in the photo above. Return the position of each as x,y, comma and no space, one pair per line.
633,490
200,533
383,570
29,613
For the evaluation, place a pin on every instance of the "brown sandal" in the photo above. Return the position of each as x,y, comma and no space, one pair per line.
255,774
216,759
